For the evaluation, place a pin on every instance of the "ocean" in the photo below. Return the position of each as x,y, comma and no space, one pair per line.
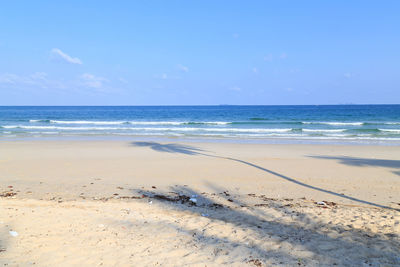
358,123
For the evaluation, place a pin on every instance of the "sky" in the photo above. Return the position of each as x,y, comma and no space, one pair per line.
199,52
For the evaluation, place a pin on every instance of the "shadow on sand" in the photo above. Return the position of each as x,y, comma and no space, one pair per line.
190,150
264,233
170,148
361,162
4,242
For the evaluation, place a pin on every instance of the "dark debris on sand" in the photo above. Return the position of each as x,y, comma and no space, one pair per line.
256,262
8,193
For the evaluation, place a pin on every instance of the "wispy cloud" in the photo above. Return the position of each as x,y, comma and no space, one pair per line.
93,81
162,76
165,76
348,75
183,68
255,70
9,78
41,80
122,80
61,55
39,76
35,80
236,88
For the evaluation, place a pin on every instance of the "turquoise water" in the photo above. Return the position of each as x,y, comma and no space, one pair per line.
339,122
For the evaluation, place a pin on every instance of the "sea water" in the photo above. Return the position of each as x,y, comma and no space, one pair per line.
366,123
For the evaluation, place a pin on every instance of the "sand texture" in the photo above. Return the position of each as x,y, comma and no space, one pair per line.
116,203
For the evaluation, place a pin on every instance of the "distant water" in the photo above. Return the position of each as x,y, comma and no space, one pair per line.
338,122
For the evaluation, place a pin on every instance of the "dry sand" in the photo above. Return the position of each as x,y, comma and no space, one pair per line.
117,203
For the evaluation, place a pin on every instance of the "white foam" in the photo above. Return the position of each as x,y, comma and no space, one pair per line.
391,123
134,122
324,130
334,123
56,128
127,129
144,128
88,122
216,122
46,132
246,130
156,122
390,130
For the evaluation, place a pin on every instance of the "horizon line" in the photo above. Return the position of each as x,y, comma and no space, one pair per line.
198,105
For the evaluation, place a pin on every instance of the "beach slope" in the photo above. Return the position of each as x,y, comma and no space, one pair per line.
186,203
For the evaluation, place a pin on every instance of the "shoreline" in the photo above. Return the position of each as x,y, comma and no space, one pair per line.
277,141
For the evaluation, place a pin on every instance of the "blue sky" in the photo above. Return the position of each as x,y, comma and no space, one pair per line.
199,52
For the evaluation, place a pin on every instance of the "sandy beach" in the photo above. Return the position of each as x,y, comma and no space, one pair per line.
148,203
199,133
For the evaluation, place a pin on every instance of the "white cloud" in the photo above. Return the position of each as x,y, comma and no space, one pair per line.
9,78
283,56
41,80
255,70
38,78
61,55
35,80
348,75
236,88
165,76
183,68
93,81
162,76
122,80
